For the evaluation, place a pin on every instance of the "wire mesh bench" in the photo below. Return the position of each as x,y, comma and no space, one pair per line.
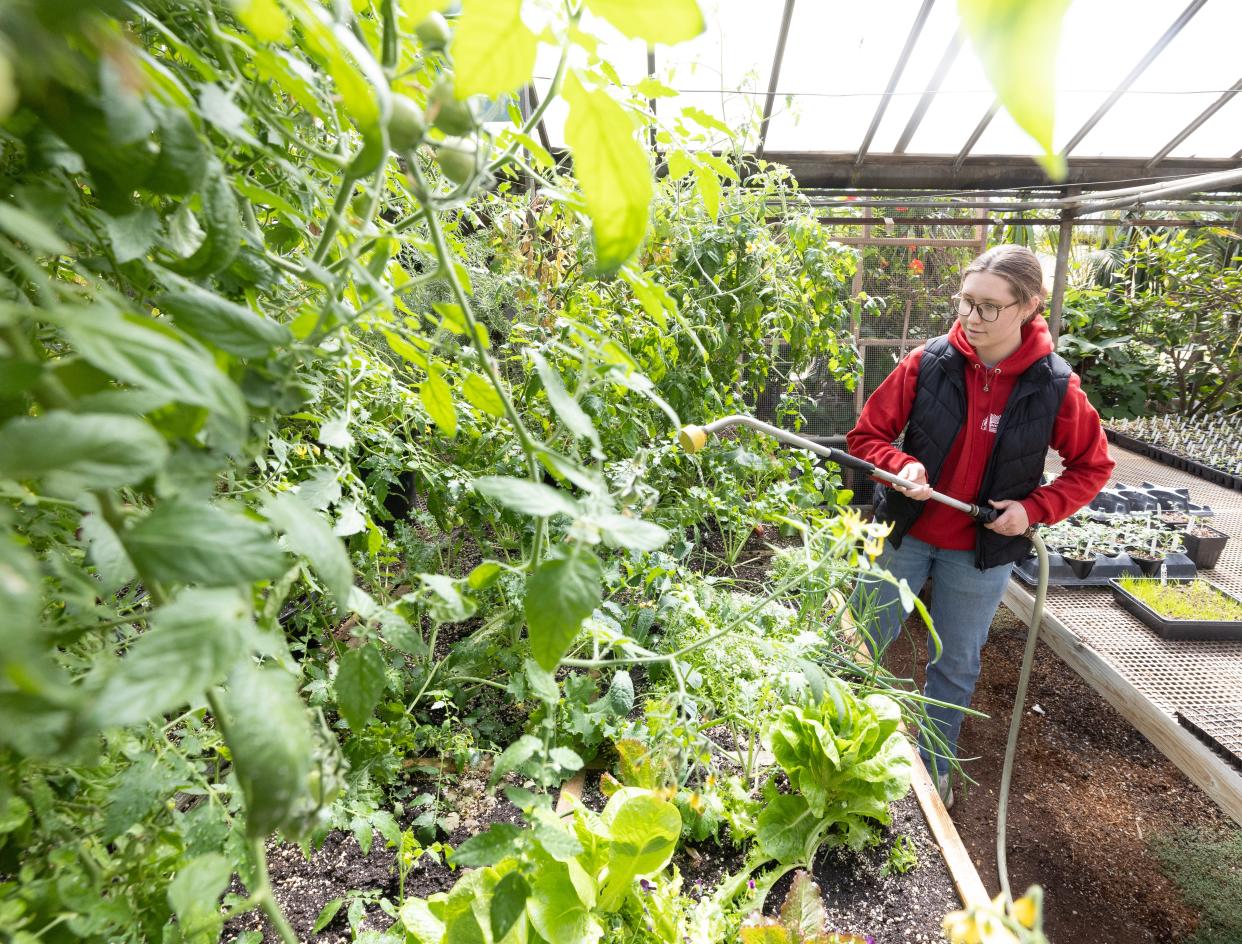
1149,680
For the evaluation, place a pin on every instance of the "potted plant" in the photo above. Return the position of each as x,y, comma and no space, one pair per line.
1081,557
1203,544
1147,552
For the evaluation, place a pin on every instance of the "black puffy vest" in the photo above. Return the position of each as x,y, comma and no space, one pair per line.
1016,464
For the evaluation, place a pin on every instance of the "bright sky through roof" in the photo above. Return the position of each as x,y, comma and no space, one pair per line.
840,55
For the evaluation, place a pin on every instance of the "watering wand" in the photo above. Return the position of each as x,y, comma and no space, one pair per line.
694,438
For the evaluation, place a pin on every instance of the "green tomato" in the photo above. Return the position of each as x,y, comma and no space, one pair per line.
457,160
450,115
405,126
434,32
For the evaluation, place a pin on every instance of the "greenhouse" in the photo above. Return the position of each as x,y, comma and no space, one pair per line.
522,472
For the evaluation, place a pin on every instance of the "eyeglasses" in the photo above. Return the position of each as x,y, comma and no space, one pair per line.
987,310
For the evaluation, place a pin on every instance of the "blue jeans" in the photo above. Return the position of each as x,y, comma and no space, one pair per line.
964,601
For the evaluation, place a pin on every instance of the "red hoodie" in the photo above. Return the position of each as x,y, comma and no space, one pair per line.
1076,435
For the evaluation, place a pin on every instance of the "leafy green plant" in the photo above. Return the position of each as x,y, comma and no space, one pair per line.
845,761
902,856
802,920
556,881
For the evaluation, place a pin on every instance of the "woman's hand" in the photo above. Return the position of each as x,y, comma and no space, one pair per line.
914,472
1012,521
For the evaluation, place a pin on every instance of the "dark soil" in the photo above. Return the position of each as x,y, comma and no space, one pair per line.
862,900
304,885
750,571
1091,801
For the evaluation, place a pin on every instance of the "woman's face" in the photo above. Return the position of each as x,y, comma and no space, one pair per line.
1004,335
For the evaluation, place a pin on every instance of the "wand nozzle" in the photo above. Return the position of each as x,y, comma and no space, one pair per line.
693,438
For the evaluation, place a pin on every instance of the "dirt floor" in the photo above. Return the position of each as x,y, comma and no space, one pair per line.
1091,802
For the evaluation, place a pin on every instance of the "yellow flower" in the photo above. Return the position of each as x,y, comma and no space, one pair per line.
959,927
979,925
1026,911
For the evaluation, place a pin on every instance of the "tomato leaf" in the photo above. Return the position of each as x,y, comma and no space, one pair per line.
223,323
308,534
359,685
133,234
656,21
437,400
1017,43
139,353
81,451
525,496
488,848
482,395
269,736
190,542
493,50
191,644
514,756
563,592
508,904
195,891
632,533
612,169
566,407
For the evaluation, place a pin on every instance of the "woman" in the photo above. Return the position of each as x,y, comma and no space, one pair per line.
979,408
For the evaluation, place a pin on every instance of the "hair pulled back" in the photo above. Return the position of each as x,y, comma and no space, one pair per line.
1018,266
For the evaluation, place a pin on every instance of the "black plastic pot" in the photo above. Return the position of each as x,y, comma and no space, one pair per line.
1081,566
1205,551
1150,566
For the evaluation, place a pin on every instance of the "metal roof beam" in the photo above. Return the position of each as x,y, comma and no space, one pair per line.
1204,182
975,135
777,59
933,86
1186,16
1196,124
989,172
893,79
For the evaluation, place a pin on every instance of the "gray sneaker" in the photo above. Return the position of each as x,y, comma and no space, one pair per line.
944,786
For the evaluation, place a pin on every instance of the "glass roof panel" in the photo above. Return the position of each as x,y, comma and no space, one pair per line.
837,63
1219,136
839,58
937,33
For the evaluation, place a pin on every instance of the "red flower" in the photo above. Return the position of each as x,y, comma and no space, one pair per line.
916,266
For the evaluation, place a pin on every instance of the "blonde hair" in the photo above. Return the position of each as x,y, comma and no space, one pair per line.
1018,266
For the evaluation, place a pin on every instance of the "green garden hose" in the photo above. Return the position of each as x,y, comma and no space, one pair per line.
693,438
1019,700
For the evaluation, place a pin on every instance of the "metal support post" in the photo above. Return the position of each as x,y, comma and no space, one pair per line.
1064,240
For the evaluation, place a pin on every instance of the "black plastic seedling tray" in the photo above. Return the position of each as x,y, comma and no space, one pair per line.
1178,629
1105,569
1217,726
1163,456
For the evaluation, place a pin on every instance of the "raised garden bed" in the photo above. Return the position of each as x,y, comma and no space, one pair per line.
1181,609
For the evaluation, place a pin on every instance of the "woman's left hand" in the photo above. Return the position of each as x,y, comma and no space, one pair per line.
1012,521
